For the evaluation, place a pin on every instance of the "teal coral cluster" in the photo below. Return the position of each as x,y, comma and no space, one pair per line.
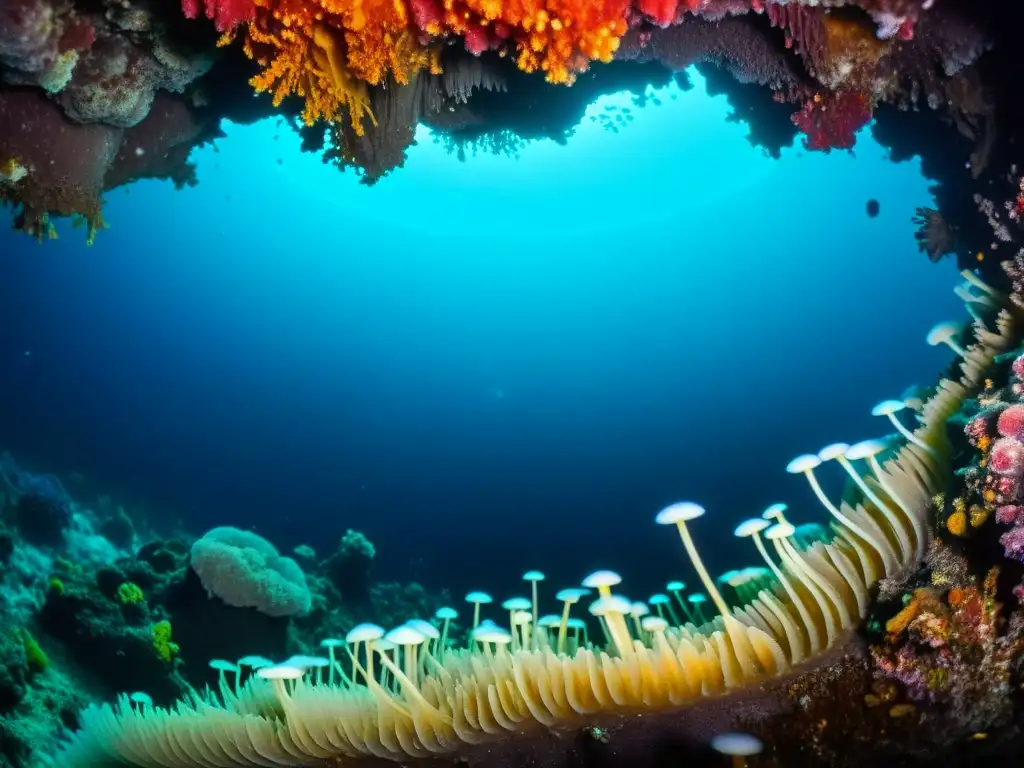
91,619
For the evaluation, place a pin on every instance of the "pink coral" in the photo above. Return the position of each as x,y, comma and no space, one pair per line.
1010,514
976,429
1007,457
1011,422
1006,486
1018,367
226,14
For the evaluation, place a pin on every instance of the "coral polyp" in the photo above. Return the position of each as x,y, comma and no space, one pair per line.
407,694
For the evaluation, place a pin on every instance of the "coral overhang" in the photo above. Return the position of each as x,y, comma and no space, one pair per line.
101,66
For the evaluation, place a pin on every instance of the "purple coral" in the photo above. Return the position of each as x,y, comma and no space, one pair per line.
1013,542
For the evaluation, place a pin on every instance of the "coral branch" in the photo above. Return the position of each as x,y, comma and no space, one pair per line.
832,121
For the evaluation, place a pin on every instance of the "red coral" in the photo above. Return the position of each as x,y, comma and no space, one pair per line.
226,14
78,36
427,15
832,121
801,24
661,12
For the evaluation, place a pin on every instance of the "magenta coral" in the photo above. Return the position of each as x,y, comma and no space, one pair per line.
1011,422
1013,542
832,121
226,14
976,429
1010,514
1018,367
1006,486
1007,457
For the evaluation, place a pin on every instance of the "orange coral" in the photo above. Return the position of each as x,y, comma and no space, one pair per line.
326,51
378,40
557,37
923,612
850,51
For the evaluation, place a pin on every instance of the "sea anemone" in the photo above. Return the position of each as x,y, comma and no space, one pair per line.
405,699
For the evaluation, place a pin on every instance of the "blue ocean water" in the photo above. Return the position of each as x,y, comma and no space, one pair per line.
485,366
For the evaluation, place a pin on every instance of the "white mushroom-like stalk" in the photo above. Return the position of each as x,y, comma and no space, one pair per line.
661,601
752,529
533,577
676,588
409,640
775,512
364,634
889,409
222,666
637,612
488,633
568,597
477,599
997,296
838,453
330,644
277,675
946,333
613,609
697,600
835,613
429,631
603,581
738,746
805,465
679,514
446,616
514,605
869,450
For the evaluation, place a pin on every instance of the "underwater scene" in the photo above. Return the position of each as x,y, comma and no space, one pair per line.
511,383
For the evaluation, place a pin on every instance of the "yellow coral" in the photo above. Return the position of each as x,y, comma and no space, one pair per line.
979,514
327,51
164,648
35,657
130,594
957,523
12,171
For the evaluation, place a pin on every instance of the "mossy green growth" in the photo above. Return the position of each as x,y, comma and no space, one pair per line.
34,655
130,594
164,648
56,585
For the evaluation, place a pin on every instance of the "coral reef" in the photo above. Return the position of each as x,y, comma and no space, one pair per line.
897,632
87,617
94,95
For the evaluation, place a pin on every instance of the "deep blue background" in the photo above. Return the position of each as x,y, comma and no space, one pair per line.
486,366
